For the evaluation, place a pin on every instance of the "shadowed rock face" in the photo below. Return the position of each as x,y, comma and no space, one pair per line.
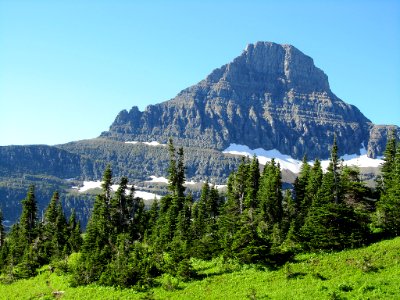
271,96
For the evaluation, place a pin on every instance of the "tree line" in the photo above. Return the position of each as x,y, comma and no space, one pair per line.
255,221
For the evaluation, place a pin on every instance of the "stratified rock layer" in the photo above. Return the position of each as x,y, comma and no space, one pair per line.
272,96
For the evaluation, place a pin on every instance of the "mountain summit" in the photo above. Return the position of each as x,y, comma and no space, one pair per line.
271,96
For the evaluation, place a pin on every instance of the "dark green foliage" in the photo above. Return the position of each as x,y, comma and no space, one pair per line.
248,246
270,194
29,219
333,220
388,207
126,245
75,238
334,227
54,229
2,232
30,243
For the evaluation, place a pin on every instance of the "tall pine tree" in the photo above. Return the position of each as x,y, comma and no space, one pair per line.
388,207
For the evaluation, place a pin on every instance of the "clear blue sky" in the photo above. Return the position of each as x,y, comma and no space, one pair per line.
68,67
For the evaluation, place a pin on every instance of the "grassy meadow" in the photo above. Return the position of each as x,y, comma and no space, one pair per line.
372,272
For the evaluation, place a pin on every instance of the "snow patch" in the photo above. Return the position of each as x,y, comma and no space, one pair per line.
155,179
88,185
190,182
264,156
147,195
153,143
220,186
294,165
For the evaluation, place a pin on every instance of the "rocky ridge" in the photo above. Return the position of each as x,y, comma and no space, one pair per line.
271,96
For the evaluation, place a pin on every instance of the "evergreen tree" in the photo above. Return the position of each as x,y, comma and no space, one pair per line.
74,229
29,219
333,169
301,183
98,243
152,216
270,194
252,184
248,246
3,248
2,232
388,207
312,187
120,218
54,229
388,165
330,222
228,222
173,203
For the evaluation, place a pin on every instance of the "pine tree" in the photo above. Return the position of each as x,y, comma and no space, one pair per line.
152,216
54,229
389,161
312,187
29,219
119,210
252,184
248,246
270,194
330,222
388,207
334,168
74,229
228,222
172,168
98,243
2,232
301,183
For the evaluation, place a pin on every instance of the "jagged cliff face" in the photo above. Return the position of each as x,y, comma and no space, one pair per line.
272,97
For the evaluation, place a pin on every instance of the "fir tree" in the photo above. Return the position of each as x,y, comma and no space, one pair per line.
152,216
388,165
228,222
248,246
29,219
388,207
74,229
54,229
330,222
252,184
301,183
2,232
98,243
270,194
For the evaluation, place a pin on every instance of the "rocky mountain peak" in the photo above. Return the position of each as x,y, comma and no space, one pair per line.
273,67
271,96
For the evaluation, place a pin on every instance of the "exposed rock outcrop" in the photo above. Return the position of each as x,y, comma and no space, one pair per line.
272,96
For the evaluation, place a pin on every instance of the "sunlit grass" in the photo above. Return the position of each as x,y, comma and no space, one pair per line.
368,273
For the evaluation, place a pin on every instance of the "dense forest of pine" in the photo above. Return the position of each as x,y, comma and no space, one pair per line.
127,245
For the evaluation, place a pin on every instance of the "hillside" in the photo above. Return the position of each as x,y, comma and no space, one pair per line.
368,273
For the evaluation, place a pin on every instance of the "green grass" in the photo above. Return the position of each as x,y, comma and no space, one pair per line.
368,273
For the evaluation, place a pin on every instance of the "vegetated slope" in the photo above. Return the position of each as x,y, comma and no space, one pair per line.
140,161
271,96
42,159
372,272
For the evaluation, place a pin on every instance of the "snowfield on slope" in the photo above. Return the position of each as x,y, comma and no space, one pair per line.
294,165
88,185
153,143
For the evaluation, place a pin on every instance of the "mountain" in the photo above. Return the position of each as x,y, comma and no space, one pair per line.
271,97
271,101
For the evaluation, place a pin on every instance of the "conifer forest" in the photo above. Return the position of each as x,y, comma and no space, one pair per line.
256,221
